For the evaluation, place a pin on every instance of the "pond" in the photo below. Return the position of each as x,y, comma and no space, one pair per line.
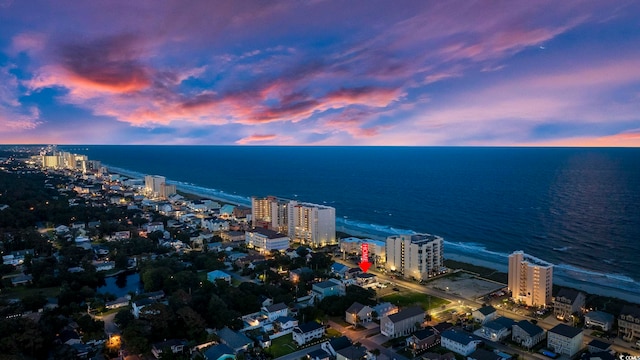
122,284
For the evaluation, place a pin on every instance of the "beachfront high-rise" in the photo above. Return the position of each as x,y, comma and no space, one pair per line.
530,279
309,224
418,256
270,213
157,186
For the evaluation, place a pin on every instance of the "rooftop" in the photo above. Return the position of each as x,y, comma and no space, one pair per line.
529,328
566,330
308,327
406,313
459,336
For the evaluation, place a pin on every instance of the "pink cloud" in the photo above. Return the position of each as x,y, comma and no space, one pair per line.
257,138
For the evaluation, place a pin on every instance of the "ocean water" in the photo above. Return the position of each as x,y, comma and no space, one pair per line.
578,208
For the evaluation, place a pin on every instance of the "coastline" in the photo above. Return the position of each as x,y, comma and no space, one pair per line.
465,254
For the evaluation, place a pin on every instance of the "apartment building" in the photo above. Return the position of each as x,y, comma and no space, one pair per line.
418,256
377,248
530,279
305,223
157,186
265,240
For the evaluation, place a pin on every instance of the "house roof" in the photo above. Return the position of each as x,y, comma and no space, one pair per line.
443,326
340,343
500,323
599,344
353,352
569,294
318,354
459,336
308,327
529,328
218,351
233,339
423,334
599,316
566,330
482,354
276,307
284,319
355,308
325,284
486,310
406,313
630,310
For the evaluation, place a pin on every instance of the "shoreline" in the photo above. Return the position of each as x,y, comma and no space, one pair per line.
560,279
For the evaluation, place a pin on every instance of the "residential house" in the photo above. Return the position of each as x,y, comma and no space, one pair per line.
629,323
233,236
527,334
598,319
174,345
366,280
155,226
339,269
403,323
596,346
459,341
318,354
565,340
138,305
385,309
482,354
117,303
304,333
352,353
484,314
336,344
21,279
219,352
104,265
272,312
568,302
358,314
285,324
215,224
496,330
422,339
328,288
237,341
214,275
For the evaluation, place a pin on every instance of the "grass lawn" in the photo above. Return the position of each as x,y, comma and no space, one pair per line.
282,346
331,332
425,301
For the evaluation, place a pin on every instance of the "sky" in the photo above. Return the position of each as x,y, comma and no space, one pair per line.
320,72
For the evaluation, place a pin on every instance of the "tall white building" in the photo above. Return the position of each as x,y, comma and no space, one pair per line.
530,279
420,256
157,186
270,213
265,240
312,224
306,223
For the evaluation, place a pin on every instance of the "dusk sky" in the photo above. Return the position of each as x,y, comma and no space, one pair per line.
489,73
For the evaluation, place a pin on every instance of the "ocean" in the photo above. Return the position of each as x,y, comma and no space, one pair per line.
578,208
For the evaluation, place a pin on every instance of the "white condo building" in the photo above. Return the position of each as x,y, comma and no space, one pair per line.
306,223
420,256
530,279
265,240
157,186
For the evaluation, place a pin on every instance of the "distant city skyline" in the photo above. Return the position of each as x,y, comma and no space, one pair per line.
423,73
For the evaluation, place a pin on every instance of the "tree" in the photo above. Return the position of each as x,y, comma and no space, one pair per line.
123,318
